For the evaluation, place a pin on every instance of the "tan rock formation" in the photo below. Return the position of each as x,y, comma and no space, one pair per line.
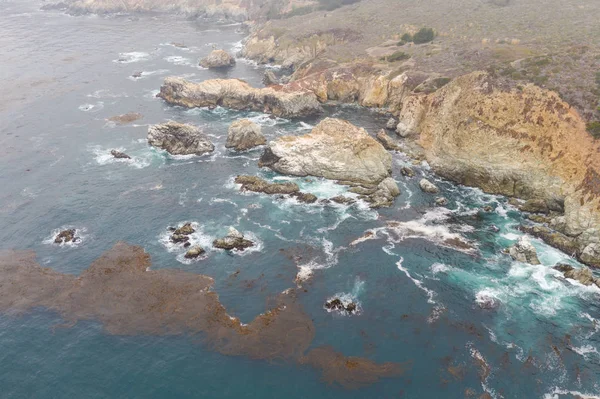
237,94
335,149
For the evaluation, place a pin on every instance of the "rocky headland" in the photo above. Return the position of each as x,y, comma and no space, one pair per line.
236,94
337,150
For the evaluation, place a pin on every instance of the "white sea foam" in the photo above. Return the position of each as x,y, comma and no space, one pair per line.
134,56
440,268
145,74
178,60
102,156
222,200
105,93
91,107
80,234
557,393
196,238
306,270
430,293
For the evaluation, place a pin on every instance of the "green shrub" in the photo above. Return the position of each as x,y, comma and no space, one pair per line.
593,128
440,82
424,35
397,56
407,37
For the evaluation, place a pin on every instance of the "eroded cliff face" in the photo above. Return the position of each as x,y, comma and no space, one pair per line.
525,143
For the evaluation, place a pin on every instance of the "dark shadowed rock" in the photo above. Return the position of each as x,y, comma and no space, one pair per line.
258,185
387,142
119,154
406,171
233,240
179,139
65,236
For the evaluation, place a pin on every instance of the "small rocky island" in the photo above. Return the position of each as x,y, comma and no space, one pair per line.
234,240
179,139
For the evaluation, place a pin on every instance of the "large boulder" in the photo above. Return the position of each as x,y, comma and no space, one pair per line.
179,139
524,251
65,236
284,101
428,187
243,135
217,59
334,149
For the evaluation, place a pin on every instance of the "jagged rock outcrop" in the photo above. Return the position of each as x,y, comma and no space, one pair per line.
233,240
524,251
243,135
524,143
258,185
236,94
179,139
582,275
217,59
334,149
66,236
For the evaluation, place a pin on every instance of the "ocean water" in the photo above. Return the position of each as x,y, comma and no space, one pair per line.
418,299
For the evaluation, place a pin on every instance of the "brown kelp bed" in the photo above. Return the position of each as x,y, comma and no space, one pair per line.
121,292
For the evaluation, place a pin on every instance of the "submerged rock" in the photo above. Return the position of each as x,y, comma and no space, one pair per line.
387,142
340,199
119,155
337,304
66,236
428,186
126,118
441,201
334,149
217,59
281,101
524,252
307,198
233,240
194,252
243,135
179,139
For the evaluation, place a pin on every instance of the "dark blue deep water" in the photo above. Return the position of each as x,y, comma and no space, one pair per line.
62,77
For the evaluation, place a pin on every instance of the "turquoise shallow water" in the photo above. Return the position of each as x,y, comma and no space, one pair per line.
418,299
